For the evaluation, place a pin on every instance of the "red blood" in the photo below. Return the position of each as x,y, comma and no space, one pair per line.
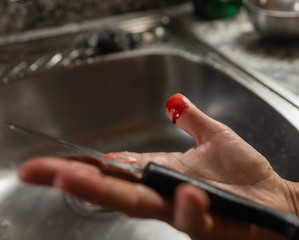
126,162
177,106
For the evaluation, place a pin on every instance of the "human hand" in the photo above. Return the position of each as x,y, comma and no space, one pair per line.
220,157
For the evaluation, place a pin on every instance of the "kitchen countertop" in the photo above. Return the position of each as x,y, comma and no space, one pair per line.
34,14
275,64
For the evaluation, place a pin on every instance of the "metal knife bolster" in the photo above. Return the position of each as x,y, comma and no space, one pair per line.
165,181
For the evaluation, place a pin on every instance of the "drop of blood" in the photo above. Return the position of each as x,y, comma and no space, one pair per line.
129,160
177,105
126,162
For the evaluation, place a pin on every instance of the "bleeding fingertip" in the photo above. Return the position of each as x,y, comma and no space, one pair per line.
176,105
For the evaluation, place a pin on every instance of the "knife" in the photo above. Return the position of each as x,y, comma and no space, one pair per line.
165,181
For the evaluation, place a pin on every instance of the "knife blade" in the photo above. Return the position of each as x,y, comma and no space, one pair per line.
104,165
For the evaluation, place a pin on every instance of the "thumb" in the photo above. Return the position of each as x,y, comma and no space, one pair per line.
191,212
182,112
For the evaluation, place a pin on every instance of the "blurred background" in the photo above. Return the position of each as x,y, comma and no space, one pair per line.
43,13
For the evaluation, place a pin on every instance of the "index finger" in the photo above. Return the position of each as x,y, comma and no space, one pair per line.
85,182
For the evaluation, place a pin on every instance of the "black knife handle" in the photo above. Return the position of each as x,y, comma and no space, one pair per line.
165,181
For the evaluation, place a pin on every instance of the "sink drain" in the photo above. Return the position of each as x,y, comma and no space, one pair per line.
88,210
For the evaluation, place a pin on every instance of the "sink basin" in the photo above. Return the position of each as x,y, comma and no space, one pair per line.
116,104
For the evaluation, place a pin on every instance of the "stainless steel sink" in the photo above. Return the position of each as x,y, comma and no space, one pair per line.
115,104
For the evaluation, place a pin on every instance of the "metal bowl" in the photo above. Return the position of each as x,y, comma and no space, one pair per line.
274,19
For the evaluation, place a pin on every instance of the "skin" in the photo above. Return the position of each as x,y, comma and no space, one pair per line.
220,157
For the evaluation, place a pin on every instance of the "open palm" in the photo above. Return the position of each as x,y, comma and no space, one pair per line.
220,157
